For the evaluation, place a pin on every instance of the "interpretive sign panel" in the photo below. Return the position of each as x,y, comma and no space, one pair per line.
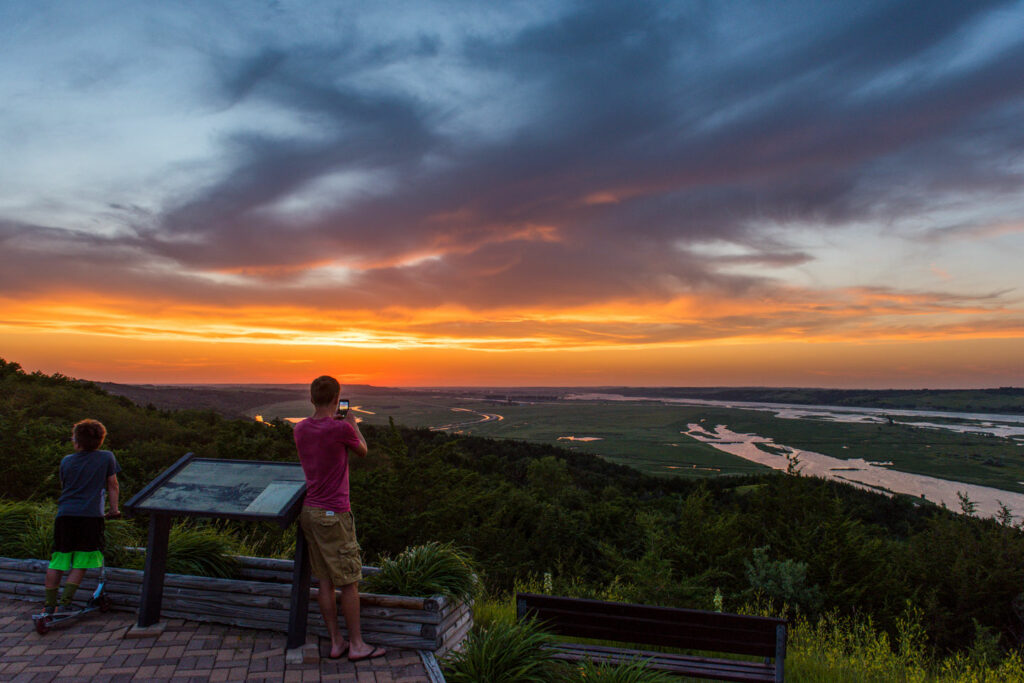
232,489
247,490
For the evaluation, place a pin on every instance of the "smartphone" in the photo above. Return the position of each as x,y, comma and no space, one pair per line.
343,407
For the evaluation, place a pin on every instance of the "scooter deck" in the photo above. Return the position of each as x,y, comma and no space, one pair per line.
98,602
65,616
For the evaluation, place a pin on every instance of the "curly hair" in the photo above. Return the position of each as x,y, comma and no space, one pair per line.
89,434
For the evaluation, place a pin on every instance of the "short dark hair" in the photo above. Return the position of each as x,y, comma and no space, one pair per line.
89,434
324,390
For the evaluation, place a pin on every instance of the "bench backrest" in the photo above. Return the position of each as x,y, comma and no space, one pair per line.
685,629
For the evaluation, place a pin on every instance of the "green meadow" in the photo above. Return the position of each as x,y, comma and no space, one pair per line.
650,436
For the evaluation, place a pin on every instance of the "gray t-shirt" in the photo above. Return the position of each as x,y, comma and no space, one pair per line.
83,476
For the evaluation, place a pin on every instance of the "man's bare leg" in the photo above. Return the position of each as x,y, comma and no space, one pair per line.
350,610
329,610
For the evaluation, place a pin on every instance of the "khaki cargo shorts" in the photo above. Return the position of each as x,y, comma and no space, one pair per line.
333,551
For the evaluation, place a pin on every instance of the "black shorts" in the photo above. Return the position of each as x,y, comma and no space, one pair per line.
78,534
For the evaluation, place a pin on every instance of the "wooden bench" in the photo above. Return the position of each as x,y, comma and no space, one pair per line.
683,629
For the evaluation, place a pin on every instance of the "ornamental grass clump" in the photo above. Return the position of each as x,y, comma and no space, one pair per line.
504,652
634,671
427,570
26,529
124,544
201,551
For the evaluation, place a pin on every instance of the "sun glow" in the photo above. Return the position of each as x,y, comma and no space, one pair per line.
794,337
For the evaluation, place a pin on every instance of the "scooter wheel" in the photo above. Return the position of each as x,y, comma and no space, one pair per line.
103,603
42,625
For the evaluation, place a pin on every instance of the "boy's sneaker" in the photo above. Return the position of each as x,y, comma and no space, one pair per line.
63,609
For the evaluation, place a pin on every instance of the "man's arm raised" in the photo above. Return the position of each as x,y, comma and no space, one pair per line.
361,449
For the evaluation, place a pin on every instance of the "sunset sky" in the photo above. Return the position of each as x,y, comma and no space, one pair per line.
515,193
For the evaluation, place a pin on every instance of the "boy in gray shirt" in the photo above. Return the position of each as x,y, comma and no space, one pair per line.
78,538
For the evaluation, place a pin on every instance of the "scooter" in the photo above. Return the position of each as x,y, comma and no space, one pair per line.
98,601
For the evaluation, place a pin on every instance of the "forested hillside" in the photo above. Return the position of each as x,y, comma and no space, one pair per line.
595,528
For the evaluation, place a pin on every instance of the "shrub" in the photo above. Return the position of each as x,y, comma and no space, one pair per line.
425,570
503,652
785,581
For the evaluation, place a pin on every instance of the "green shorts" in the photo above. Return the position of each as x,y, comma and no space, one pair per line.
77,559
78,543
333,551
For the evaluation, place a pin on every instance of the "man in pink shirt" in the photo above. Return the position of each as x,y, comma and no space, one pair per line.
324,442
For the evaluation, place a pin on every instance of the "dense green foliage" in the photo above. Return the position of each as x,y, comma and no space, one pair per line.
594,528
426,570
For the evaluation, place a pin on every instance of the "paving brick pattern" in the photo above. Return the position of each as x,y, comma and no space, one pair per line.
94,649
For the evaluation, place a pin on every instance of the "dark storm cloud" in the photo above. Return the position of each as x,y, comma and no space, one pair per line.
638,130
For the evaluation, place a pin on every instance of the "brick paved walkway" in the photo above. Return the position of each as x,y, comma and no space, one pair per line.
94,649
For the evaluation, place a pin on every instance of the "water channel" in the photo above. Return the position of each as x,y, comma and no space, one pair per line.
874,476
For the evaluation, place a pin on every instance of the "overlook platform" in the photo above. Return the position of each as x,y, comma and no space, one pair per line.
94,649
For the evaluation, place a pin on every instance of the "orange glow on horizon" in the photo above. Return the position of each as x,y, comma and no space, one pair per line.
794,338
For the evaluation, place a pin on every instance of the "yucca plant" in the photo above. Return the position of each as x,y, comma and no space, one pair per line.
426,570
200,550
634,671
503,653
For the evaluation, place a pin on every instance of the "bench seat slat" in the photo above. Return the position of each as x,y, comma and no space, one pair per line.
698,667
607,649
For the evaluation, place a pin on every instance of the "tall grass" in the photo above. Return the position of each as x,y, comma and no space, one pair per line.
26,529
201,550
503,652
632,672
123,540
426,570
263,539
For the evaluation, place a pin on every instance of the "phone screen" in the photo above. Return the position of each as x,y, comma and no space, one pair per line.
343,406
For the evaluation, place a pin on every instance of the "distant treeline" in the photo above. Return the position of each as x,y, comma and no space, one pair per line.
1001,400
228,401
582,526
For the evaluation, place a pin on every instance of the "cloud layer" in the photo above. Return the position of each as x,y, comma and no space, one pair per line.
569,174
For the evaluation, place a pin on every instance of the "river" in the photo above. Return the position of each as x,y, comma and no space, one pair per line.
1008,426
864,474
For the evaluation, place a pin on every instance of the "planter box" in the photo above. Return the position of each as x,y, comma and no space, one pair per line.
260,601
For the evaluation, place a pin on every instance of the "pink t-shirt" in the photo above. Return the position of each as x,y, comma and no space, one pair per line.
323,451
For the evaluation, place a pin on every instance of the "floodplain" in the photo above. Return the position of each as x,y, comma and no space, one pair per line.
656,437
